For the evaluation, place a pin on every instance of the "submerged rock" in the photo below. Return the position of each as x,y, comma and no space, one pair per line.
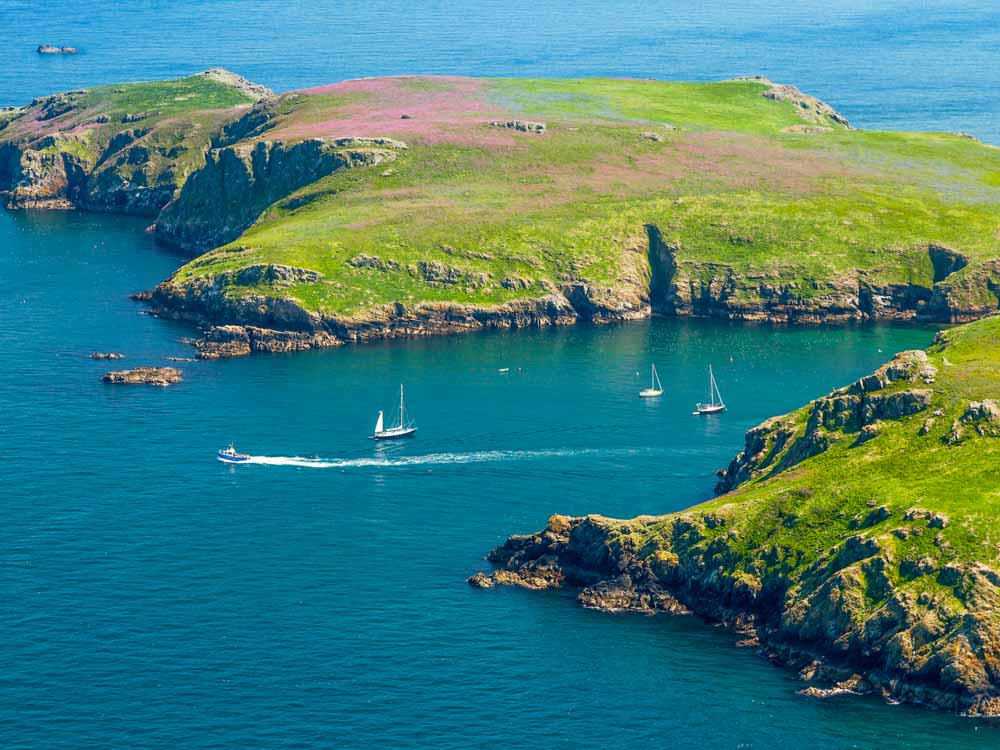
106,355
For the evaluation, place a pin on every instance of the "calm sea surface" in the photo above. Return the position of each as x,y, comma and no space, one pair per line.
152,597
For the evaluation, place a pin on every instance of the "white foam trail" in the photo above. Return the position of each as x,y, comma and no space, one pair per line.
435,458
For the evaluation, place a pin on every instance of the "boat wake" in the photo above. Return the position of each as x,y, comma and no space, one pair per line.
431,459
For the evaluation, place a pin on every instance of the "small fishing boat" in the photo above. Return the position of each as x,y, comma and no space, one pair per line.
504,369
230,456
715,403
655,386
400,430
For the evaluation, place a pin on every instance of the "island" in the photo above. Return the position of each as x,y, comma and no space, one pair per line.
856,541
162,376
417,205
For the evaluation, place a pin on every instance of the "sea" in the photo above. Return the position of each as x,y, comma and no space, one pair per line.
152,597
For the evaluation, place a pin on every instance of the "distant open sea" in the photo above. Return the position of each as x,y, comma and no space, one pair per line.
151,597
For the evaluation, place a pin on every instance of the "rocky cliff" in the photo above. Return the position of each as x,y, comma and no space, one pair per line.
866,560
96,150
224,197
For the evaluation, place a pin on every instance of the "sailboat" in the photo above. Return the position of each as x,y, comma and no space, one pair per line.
715,403
403,429
655,387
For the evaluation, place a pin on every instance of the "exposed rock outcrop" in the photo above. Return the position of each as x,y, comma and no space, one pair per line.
820,623
144,375
523,126
854,410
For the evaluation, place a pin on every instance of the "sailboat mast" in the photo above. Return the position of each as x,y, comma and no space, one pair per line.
402,413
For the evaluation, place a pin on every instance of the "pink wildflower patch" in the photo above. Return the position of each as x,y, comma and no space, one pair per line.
425,109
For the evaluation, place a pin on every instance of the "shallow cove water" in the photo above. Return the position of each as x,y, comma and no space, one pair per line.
155,597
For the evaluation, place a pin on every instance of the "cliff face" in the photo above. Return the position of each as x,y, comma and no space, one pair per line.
91,149
870,567
224,197
239,324
681,286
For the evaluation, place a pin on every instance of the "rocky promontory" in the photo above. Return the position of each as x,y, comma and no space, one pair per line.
868,563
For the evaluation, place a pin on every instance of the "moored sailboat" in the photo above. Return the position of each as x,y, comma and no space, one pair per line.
402,429
655,387
715,403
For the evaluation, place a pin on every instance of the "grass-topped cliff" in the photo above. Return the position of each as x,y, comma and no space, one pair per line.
860,541
124,148
410,205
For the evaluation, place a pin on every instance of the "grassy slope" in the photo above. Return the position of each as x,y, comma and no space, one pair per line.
899,469
729,185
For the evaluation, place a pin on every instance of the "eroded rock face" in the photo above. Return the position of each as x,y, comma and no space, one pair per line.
913,648
220,200
857,410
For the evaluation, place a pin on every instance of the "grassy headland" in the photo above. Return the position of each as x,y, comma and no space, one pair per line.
409,205
859,542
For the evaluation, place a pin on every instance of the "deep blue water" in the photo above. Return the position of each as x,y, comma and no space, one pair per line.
910,64
155,598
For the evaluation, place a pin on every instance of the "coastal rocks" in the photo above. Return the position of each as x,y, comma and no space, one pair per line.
808,107
237,341
162,376
237,183
238,82
49,49
622,595
522,126
107,355
911,648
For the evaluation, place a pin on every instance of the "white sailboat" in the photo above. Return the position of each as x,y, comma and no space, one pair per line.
655,387
403,429
715,403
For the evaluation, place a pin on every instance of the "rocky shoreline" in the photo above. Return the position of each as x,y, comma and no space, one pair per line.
239,325
857,594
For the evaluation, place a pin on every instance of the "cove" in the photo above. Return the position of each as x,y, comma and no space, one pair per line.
156,596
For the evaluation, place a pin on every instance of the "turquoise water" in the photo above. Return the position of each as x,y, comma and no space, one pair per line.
153,597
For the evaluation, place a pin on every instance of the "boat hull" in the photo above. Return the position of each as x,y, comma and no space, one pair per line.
650,393
229,459
394,434
702,410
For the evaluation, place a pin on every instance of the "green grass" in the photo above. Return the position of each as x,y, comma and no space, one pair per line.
899,469
728,186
